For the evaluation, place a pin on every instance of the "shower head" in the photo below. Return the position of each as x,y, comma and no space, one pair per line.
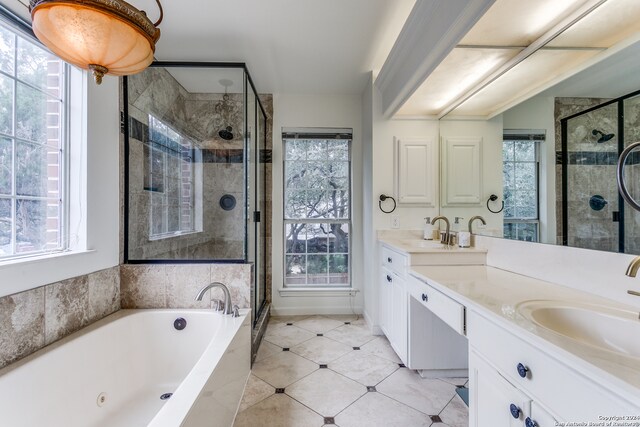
603,137
226,133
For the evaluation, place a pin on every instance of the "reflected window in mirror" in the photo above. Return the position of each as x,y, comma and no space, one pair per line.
169,181
520,166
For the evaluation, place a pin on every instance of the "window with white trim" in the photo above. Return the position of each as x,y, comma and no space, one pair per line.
168,177
520,174
317,210
33,145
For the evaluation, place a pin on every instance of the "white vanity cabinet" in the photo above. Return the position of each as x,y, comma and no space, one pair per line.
393,299
496,402
548,389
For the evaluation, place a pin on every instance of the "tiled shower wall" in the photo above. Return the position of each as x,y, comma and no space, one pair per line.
35,318
592,171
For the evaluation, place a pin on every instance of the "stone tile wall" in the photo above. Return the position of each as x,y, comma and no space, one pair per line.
176,285
35,318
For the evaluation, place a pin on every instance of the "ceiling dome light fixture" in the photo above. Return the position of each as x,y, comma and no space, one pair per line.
104,36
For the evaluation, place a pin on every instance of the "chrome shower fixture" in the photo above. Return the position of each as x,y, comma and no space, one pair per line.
603,137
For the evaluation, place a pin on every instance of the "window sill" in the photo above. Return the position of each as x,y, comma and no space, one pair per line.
32,259
172,235
317,292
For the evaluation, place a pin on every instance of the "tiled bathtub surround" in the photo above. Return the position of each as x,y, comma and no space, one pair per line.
35,318
176,285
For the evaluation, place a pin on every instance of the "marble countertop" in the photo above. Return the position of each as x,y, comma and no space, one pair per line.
497,294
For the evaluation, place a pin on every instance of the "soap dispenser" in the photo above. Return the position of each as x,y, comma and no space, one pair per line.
427,233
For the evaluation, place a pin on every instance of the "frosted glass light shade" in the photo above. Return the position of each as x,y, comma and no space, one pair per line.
104,36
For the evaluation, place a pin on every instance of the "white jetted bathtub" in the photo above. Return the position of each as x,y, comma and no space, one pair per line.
114,372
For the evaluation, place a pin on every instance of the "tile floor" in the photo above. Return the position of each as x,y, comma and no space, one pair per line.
329,370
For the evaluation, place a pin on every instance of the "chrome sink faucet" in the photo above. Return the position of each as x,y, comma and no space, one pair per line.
473,218
632,270
225,290
444,239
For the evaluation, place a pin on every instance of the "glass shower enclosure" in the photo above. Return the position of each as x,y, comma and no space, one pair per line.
194,177
594,216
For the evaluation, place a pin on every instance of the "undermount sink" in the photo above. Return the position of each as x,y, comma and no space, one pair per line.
612,329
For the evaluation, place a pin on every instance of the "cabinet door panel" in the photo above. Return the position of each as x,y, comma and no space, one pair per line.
492,397
541,417
462,171
416,172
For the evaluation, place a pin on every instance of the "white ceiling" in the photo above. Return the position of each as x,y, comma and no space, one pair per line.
289,46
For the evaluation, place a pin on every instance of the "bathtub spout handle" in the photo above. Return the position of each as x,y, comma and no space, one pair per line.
236,311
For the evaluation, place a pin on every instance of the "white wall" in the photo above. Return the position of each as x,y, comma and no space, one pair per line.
378,179
336,111
368,238
98,218
491,133
538,113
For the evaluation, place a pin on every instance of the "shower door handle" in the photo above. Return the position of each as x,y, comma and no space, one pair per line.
256,216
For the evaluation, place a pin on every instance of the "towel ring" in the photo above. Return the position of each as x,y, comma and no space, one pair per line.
493,198
622,186
384,197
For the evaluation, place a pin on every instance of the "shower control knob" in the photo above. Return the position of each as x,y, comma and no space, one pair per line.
528,422
522,370
515,411
425,297
389,279
389,260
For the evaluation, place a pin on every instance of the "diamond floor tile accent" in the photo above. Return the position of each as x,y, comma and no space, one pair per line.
278,410
288,336
351,335
321,350
456,413
381,348
364,368
283,369
266,349
428,396
377,410
255,391
356,389
326,392
319,324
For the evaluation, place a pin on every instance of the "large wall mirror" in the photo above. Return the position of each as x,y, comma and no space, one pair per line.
551,157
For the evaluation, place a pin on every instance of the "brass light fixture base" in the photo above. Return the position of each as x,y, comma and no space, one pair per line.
98,72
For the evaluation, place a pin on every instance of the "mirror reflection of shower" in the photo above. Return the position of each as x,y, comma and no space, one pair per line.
225,109
602,136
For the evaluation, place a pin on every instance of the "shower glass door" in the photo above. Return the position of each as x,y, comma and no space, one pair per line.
591,207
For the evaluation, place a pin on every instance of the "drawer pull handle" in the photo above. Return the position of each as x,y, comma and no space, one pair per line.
522,370
515,411
389,279
425,297
389,260
530,423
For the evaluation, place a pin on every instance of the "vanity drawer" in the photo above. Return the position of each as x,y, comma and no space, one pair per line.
393,260
571,393
448,310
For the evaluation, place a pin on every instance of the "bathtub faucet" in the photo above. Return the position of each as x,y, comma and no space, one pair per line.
225,290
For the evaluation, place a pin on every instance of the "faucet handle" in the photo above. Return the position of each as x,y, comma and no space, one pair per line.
634,293
217,304
236,311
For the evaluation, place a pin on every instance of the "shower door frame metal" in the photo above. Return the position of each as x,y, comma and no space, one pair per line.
565,164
